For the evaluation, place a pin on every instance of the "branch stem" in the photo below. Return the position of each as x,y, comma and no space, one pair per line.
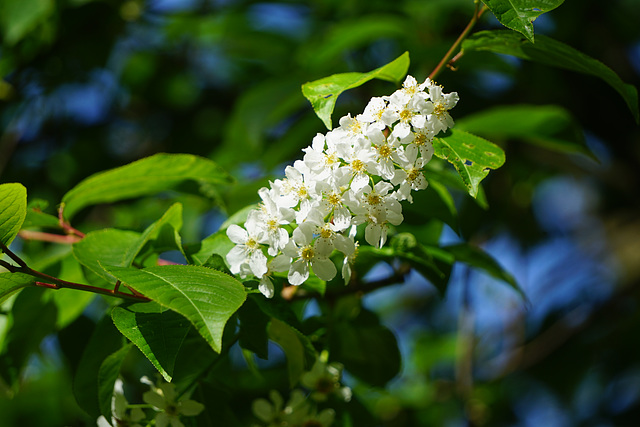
446,59
51,282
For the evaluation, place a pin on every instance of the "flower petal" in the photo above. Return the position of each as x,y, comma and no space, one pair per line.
298,272
324,268
237,234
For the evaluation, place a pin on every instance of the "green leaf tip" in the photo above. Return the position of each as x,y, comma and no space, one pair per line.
471,155
324,93
13,211
519,15
553,53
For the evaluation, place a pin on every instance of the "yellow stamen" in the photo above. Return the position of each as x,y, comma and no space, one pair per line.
357,165
385,151
307,253
374,199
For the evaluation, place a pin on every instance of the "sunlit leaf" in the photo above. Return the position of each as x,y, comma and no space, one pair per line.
471,155
106,247
323,93
37,218
206,297
12,282
555,54
520,14
157,332
172,218
13,210
144,177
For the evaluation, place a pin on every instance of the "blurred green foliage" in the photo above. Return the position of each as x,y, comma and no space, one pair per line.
88,85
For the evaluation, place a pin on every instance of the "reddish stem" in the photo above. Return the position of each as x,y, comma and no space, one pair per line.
68,239
445,59
65,225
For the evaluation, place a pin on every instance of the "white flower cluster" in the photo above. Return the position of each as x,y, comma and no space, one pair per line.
355,174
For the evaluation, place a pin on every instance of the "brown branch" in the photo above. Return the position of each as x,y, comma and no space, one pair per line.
55,283
446,58
65,225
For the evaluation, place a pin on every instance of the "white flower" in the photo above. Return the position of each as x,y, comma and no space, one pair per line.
324,379
355,174
384,151
307,255
373,113
163,399
297,412
273,217
440,118
360,163
279,263
247,255
376,208
119,415
410,176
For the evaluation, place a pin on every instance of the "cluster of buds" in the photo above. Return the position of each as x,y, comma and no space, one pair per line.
355,174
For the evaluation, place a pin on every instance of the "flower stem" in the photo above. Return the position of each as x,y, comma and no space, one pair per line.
446,59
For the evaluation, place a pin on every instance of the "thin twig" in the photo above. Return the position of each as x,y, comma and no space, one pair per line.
447,56
55,283
41,236
65,225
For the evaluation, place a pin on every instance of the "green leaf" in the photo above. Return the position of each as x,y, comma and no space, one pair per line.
144,177
323,93
428,261
18,18
105,340
157,332
478,258
172,218
105,247
37,218
13,210
356,340
451,179
548,126
553,53
296,346
253,329
70,302
520,14
471,155
206,297
32,318
107,376
12,282
218,243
